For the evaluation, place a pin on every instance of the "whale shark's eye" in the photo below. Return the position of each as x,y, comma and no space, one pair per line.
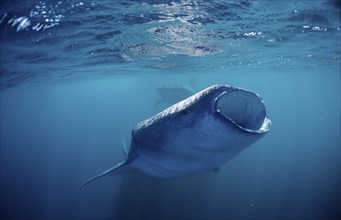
242,107
184,112
135,141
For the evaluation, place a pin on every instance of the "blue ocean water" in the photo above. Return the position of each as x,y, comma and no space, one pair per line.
76,77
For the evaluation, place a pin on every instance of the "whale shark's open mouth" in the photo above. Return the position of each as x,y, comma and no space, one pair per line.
244,108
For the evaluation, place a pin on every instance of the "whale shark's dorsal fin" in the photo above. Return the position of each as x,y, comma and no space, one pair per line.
119,169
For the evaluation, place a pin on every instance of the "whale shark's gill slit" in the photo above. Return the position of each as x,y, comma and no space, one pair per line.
244,108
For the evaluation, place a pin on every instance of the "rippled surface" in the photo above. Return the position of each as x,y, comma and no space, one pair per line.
50,40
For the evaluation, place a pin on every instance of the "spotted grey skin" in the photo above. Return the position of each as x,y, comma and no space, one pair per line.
195,135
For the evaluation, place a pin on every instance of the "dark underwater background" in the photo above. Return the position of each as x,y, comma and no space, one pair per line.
77,76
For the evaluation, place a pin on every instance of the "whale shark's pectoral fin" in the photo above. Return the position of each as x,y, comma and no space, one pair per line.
119,169
125,147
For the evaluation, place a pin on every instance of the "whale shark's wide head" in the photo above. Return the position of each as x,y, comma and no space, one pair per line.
195,135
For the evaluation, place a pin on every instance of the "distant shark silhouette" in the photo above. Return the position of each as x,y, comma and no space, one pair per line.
172,94
195,135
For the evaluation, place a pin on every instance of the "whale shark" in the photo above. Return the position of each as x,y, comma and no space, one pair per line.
197,134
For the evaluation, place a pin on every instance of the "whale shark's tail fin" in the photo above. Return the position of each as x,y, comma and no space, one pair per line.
120,169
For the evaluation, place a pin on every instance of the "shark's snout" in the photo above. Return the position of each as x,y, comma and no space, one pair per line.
244,108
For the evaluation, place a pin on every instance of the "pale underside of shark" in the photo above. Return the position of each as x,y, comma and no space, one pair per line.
195,135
